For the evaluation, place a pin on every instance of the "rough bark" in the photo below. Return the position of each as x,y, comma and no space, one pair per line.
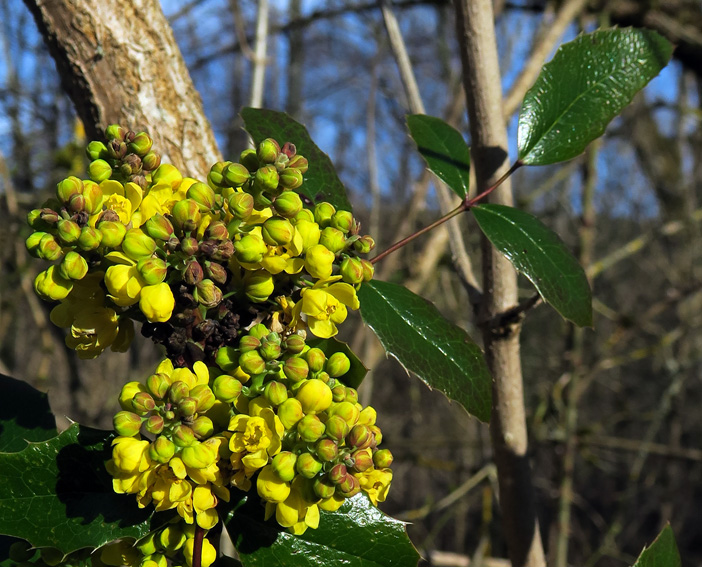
119,63
481,79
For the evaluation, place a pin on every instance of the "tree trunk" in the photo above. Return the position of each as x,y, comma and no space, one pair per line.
119,63
481,79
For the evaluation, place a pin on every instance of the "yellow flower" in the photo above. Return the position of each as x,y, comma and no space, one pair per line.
124,284
204,503
318,261
271,487
121,552
375,483
296,513
130,455
325,304
255,439
209,553
157,302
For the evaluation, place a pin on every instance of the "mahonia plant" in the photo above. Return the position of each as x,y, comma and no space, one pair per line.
234,277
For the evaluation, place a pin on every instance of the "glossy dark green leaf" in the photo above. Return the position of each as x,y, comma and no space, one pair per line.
57,493
537,252
321,183
356,373
586,84
356,535
439,352
25,415
663,552
444,150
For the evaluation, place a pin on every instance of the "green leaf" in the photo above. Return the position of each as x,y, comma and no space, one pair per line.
663,552
356,373
25,415
586,84
356,535
321,183
537,252
439,352
444,150
57,493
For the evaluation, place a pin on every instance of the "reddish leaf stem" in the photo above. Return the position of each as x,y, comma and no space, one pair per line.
464,206
197,546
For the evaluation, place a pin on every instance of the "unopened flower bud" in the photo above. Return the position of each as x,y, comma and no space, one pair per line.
207,293
215,177
323,488
116,150
324,377
323,213
270,350
93,197
377,435
333,239
315,396
349,487
348,411
382,458
198,455
299,163
290,413
368,270
351,270
226,388
154,424
153,270
183,436
32,243
367,416
167,173
186,215
143,403
307,465
187,407
337,428
203,195
193,273
138,245
266,178
259,285
76,204
99,170
158,227
141,144
276,393
291,178
267,151
227,358
68,231
252,363
287,204
363,460
319,261
364,244
150,161
113,233
115,131
296,369
50,285
343,221
339,393
178,391
310,428
293,344
67,188
241,205
203,427
316,359
96,150
217,231
216,272
204,396
157,385
351,395
359,437
338,473
172,538
283,464
327,449
250,249
277,231
126,423
48,248
162,449
249,160
190,246
235,175
90,238
73,266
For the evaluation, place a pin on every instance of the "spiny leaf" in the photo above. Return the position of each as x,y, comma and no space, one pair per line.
439,352
663,552
586,84
537,252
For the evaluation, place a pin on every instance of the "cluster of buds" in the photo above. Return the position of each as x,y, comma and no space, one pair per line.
273,411
231,276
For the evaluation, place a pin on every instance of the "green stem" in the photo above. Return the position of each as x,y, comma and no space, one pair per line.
464,206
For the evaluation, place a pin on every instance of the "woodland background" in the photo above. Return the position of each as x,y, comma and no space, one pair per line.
613,413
